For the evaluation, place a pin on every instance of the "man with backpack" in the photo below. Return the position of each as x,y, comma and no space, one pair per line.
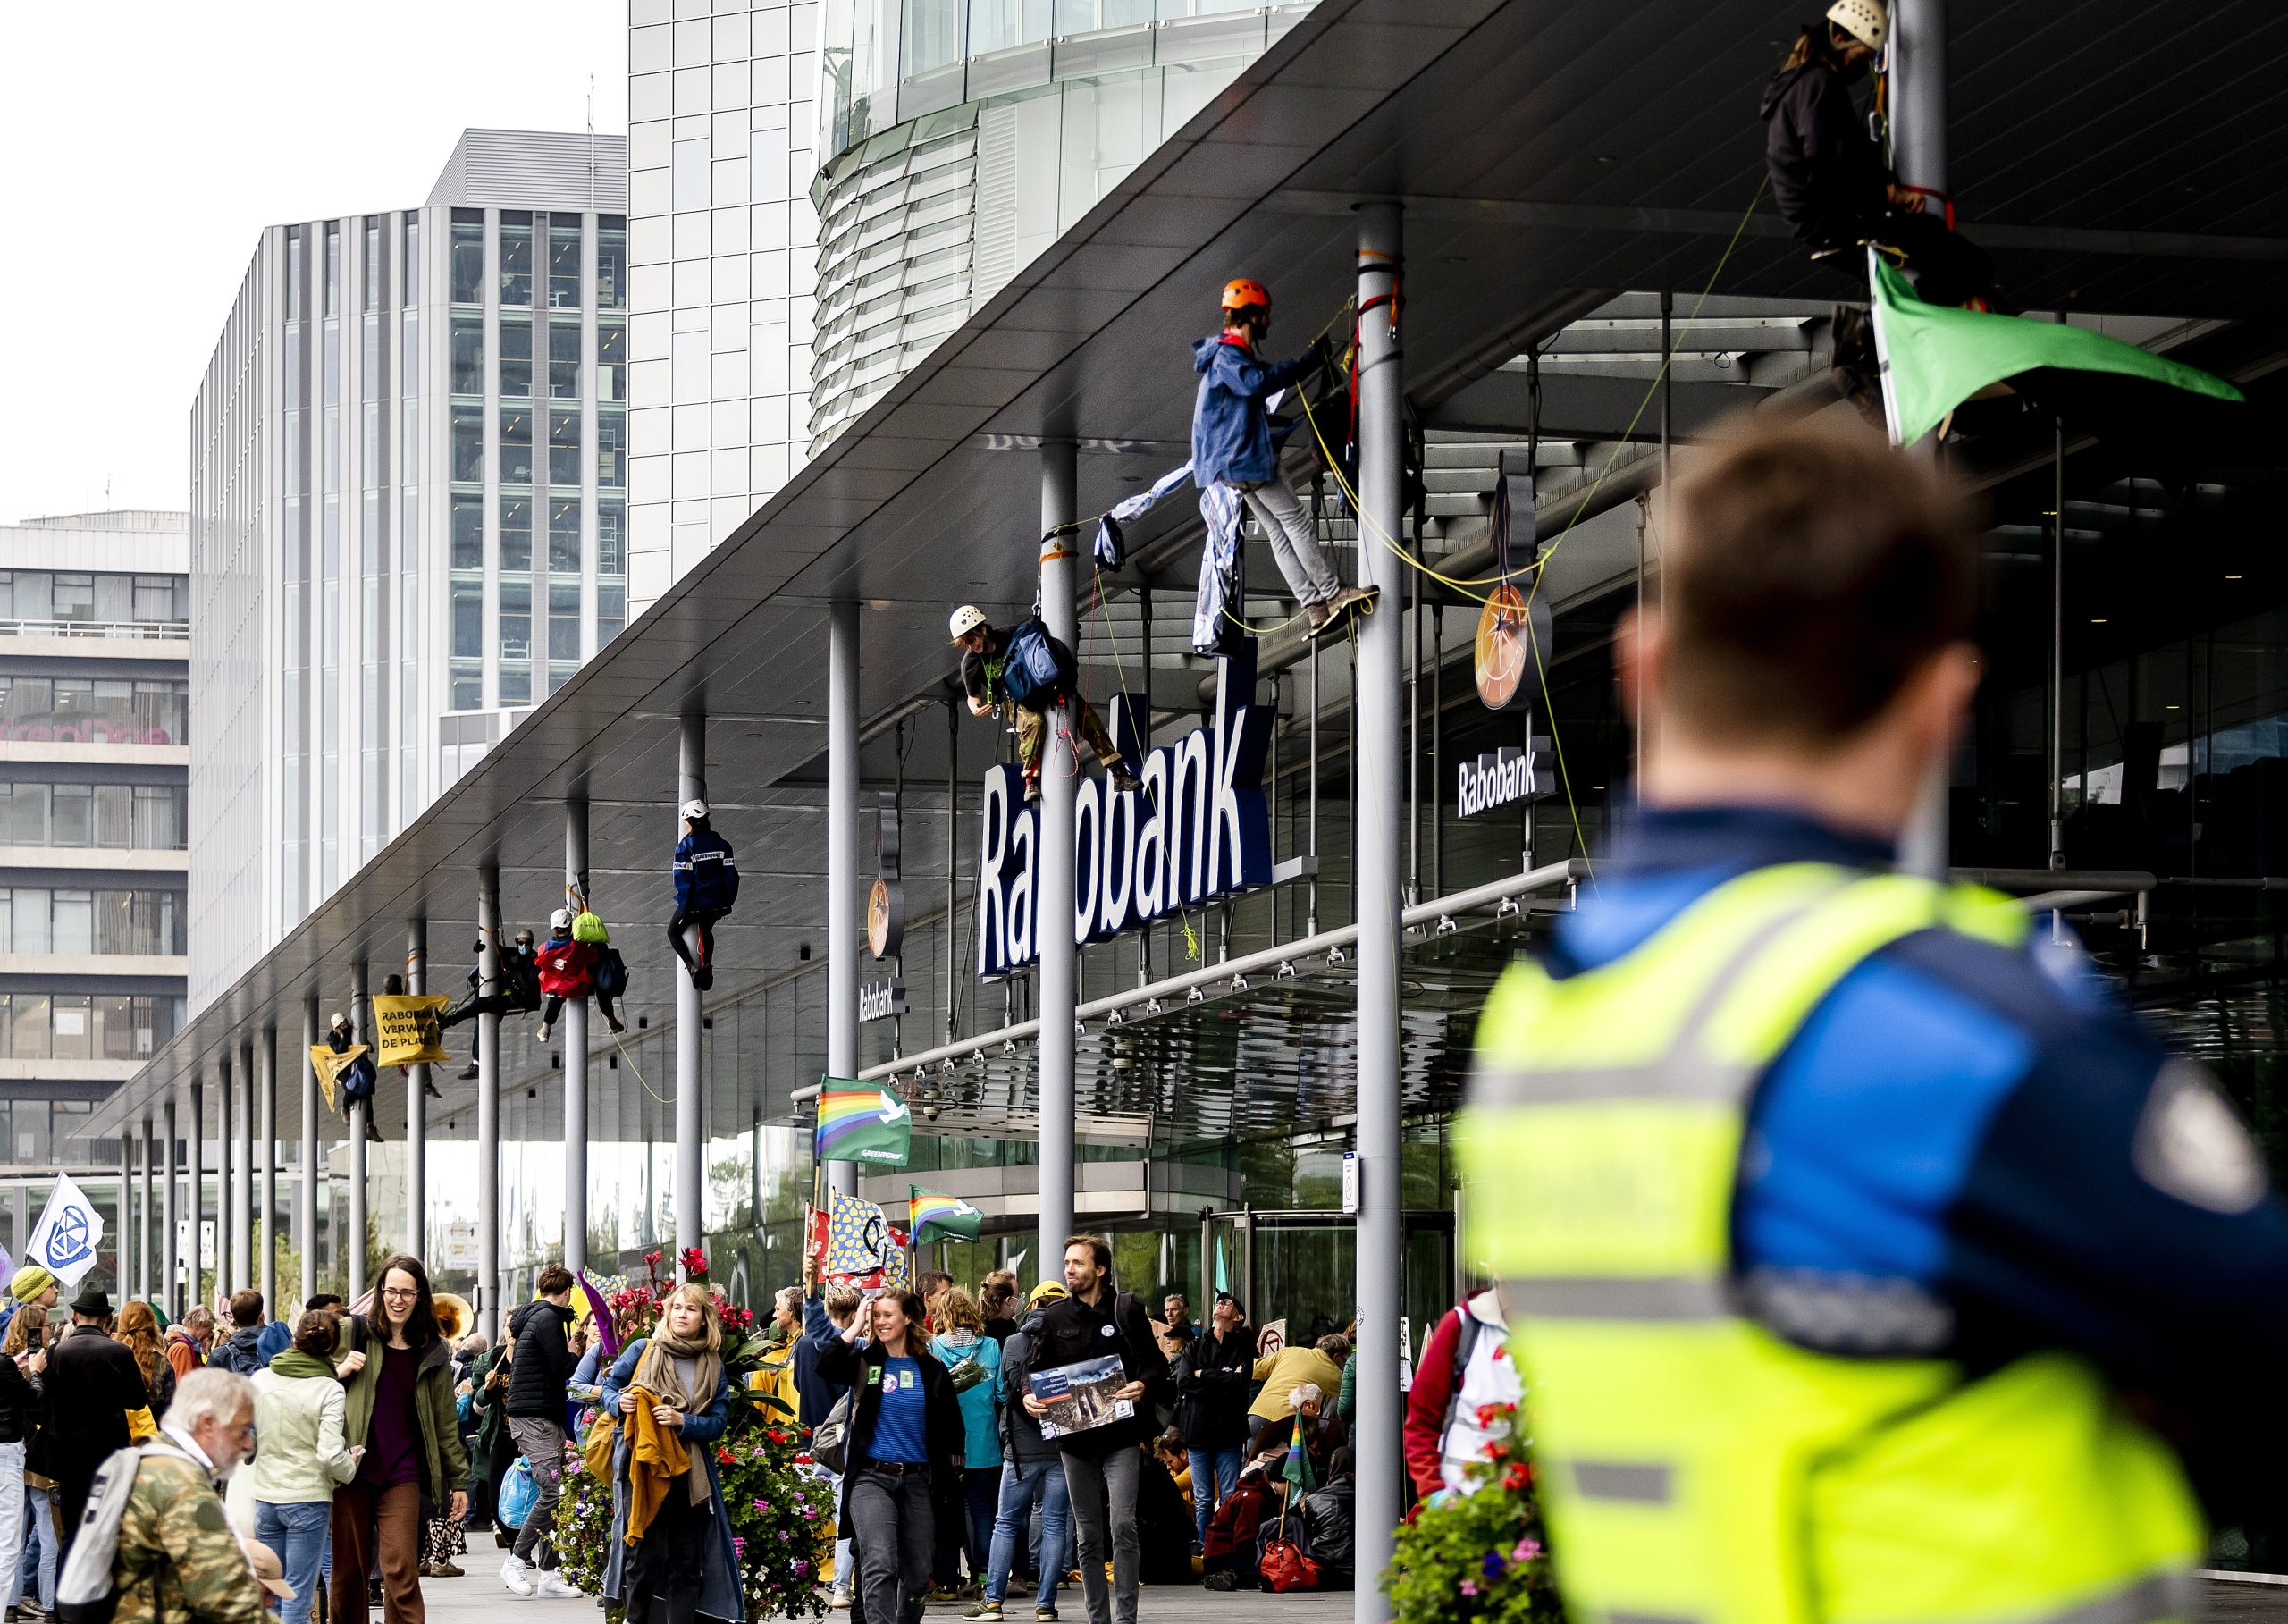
1035,673
1103,1467
1465,1366
165,1548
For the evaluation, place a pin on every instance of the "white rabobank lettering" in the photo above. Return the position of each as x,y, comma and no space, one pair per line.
1200,828
1501,778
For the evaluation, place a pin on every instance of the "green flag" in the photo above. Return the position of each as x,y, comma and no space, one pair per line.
862,1122
933,1213
1934,357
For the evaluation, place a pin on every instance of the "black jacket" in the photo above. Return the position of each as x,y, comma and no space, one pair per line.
239,1354
92,1382
1215,1379
1827,175
19,1405
1329,1532
861,1368
543,1363
1073,1330
1020,1434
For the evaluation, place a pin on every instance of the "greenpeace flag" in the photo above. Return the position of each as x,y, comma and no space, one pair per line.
70,1230
862,1122
1933,357
933,1213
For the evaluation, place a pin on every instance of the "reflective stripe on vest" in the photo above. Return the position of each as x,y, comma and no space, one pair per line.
1697,1468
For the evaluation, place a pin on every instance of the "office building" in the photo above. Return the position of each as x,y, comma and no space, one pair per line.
408,500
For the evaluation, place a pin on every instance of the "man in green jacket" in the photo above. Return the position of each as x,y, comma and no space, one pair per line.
177,1557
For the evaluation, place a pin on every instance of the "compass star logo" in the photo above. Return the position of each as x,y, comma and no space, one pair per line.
68,1239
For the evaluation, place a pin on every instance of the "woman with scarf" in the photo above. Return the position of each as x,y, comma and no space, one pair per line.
672,1401
906,1433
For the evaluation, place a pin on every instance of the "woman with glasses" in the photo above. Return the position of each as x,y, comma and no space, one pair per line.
398,1377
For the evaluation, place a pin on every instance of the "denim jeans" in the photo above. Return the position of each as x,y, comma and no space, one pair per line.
41,1535
13,1513
298,1533
895,1533
1214,1473
1024,1485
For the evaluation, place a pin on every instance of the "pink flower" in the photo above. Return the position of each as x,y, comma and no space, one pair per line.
1527,1549
1469,1587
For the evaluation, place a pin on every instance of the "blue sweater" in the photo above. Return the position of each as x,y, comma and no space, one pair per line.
1964,1129
706,879
1231,436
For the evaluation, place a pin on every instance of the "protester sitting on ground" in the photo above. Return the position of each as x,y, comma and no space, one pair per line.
707,887
972,1359
29,1287
905,1429
138,1332
986,681
300,1415
177,1558
1328,1516
1323,1432
1228,1557
671,1555
1032,1476
1828,177
1230,445
1465,1366
93,1388
567,969
186,1340
239,1352
1212,1380
1163,1520
1281,1373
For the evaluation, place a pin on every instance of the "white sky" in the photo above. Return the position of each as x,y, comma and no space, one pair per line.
149,142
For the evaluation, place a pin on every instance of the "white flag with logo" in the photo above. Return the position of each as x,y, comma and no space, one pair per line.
69,1230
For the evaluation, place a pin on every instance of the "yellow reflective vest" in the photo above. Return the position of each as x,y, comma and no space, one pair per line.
1693,1465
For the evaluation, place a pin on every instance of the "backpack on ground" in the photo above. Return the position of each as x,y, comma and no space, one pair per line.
84,1592
1031,670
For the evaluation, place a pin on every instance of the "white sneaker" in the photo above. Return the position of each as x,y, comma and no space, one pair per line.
551,1584
517,1577
837,1598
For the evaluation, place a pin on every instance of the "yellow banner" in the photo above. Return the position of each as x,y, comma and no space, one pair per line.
329,1066
406,1031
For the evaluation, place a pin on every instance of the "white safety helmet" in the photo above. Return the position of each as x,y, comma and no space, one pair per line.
694,809
965,619
561,920
1864,21
340,1019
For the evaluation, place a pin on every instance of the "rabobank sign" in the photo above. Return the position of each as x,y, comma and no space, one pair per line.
1199,829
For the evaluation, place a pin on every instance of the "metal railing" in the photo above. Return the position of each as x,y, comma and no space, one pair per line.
144,631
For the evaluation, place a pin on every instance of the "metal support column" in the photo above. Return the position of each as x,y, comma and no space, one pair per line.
149,1285
488,1104
306,1194
225,1188
195,1190
416,1102
576,1055
1058,978
243,1272
1381,487
361,1028
171,1231
123,1242
266,1061
842,860
1919,147
691,1190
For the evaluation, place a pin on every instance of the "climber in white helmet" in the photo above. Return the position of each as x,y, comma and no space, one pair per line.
1033,673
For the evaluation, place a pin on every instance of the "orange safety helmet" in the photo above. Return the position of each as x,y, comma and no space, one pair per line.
1240,294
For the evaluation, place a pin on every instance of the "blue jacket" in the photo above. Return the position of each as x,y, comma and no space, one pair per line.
1230,437
721,1587
816,1393
1962,1133
706,879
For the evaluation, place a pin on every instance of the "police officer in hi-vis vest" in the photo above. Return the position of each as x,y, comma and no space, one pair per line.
1866,1264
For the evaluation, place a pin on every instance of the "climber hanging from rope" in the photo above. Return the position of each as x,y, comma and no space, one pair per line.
1033,672
1829,178
1230,445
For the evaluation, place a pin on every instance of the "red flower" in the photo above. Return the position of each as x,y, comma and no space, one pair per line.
1515,1477
693,1261
1492,1452
1486,1414
723,1457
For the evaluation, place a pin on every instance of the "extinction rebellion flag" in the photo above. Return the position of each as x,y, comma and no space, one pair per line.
861,1122
935,1213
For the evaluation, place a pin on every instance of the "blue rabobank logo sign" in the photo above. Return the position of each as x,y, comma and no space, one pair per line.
1199,829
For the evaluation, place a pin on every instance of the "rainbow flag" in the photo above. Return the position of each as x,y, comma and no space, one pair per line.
862,1123
935,1213
1298,1467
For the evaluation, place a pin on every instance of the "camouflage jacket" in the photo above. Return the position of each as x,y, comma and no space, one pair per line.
178,1559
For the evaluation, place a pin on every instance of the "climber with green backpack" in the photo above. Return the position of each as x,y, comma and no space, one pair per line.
578,961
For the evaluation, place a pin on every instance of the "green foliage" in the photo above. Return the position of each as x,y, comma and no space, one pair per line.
1480,1556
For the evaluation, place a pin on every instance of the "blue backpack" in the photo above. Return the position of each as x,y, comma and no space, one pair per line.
1031,669
611,972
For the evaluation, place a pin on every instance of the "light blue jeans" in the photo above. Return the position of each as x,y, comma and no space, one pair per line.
1214,1473
299,1534
40,1534
1024,1485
